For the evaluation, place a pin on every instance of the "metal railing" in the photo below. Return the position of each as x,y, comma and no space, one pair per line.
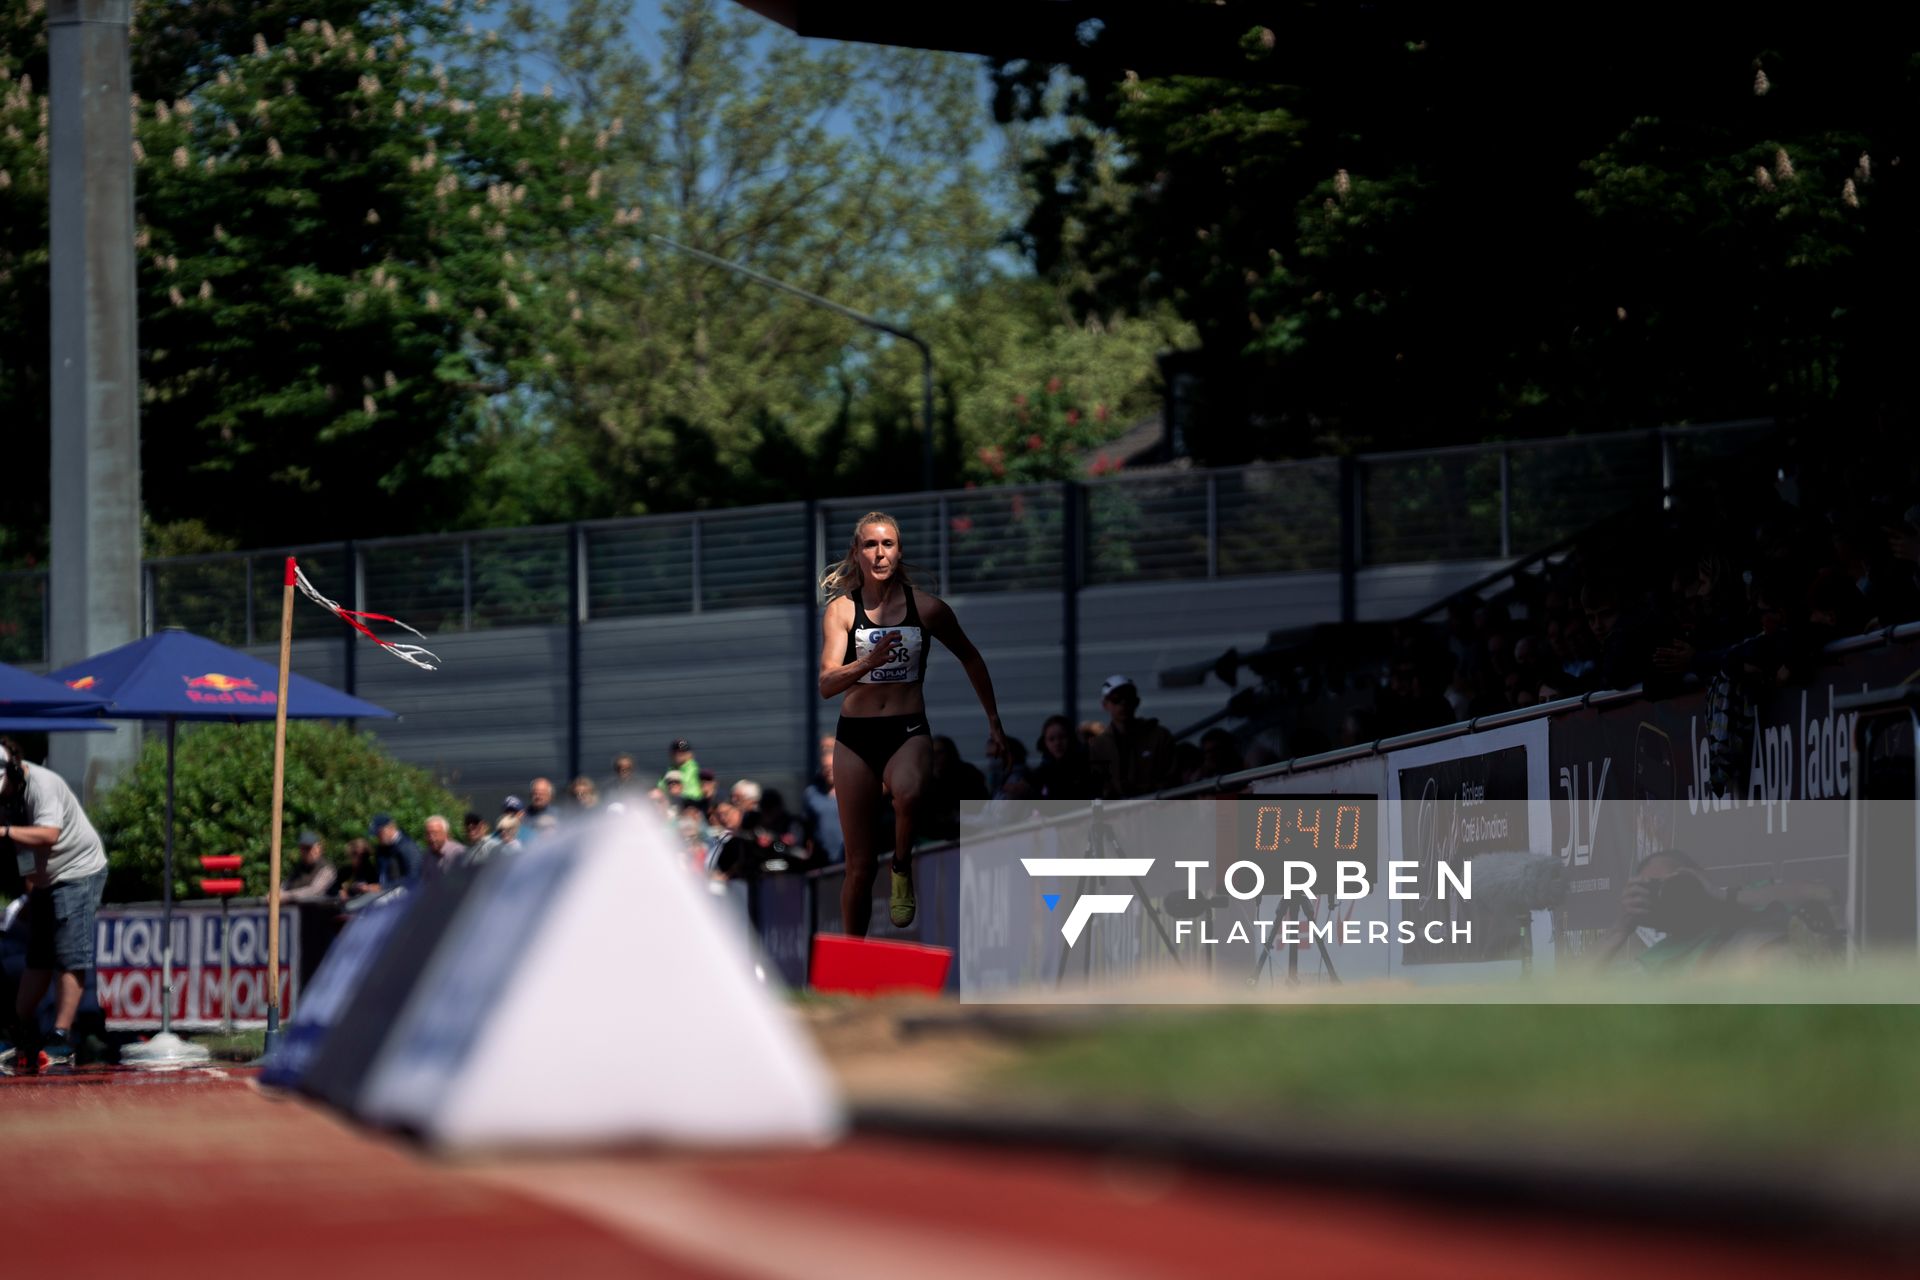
1476,502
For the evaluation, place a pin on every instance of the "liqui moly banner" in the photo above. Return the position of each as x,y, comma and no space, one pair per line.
128,947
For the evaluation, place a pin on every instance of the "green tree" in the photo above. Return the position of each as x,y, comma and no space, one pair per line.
1393,225
223,789
348,227
841,169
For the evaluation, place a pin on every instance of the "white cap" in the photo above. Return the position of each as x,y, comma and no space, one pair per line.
1114,683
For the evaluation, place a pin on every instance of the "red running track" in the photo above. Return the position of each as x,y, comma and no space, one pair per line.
180,1175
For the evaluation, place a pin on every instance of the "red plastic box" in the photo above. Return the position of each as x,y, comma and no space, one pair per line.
860,966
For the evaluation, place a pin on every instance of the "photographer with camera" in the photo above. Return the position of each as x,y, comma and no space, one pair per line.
1669,894
64,867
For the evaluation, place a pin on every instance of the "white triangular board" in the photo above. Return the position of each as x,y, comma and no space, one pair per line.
596,994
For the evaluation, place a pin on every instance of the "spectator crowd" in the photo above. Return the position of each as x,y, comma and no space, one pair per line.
1737,588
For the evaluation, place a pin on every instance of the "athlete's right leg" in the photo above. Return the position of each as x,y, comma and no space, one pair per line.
858,794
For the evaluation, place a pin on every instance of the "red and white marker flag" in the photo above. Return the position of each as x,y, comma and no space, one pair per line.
413,653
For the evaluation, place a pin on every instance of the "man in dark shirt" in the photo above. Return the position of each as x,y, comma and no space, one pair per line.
397,856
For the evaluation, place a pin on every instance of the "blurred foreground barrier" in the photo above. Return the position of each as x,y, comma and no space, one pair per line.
435,1022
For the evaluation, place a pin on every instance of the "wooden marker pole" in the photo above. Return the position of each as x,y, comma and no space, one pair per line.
279,803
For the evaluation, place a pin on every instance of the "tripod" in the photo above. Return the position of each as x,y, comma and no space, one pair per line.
1101,837
1291,908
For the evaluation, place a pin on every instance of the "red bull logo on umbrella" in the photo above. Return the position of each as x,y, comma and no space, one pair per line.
214,687
84,682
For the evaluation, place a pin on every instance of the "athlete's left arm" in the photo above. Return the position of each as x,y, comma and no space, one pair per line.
945,628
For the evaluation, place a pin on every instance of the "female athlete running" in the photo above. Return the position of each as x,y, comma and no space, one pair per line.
874,643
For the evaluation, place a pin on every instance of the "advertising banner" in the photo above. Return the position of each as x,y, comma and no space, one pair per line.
783,916
1724,776
127,955
1477,798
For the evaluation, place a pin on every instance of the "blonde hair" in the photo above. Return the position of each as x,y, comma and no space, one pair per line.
843,578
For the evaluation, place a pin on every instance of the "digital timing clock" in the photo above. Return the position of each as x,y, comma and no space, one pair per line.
1322,830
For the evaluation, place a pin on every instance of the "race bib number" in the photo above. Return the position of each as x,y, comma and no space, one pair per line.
899,668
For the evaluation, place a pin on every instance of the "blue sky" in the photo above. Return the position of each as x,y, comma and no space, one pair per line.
648,20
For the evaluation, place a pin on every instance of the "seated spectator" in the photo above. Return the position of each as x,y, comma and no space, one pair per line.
950,783
693,837
1361,727
708,790
1621,631
475,828
313,879
443,851
822,814
1409,703
731,854
362,875
505,839
1186,762
1219,755
683,766
769,840
1061,772
781,826
624,786
397,856
1134,756
585,796
539,820
1007,774
745,795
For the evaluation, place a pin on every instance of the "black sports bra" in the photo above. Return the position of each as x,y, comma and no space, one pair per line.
909,662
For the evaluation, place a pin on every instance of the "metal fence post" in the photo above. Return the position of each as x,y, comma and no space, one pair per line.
696,562
1506,503
356,573
1213,526
576,605
1667,469
147,586
1071,499
1348,487
941,533
248,565
809,601
466,584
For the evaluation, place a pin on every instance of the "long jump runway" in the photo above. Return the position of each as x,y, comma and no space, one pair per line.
187,1174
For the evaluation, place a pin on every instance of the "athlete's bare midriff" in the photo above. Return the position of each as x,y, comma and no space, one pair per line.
882,700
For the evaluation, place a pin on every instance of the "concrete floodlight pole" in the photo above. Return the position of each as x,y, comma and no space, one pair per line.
93,598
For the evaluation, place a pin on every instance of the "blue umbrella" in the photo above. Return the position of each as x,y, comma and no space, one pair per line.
54,724
23,693
174,675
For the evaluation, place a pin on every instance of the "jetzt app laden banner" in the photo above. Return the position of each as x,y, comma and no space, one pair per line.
1724,778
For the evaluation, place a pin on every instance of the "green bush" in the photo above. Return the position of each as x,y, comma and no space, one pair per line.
223,802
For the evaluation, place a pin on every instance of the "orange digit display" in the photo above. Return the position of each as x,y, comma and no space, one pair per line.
1300,821
1340,816
1266,837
